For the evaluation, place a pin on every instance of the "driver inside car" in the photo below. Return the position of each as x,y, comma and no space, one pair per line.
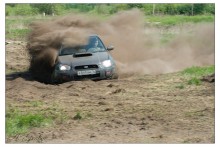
93,46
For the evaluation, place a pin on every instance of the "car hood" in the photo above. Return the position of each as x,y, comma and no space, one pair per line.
84,59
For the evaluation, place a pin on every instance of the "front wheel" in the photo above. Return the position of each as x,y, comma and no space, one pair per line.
115,76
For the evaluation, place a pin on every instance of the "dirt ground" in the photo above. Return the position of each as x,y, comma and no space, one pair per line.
132,109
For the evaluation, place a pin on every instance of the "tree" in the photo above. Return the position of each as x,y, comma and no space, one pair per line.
49,9
199,8
120,7
209,9
185,9
135,6
171,9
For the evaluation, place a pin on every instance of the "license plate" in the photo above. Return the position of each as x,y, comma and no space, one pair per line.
86,72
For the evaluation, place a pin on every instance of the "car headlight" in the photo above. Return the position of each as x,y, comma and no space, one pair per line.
107,63
64,67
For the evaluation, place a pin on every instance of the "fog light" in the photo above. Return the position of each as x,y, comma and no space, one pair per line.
65,78
108,73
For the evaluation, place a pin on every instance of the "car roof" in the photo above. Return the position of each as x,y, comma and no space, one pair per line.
93,35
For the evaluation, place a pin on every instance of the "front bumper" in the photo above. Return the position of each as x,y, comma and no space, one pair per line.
69,75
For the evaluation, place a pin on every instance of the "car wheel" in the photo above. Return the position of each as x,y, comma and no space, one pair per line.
115,76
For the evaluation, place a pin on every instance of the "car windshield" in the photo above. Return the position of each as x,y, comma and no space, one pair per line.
94,45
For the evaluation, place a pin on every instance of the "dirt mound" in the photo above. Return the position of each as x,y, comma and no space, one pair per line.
209,78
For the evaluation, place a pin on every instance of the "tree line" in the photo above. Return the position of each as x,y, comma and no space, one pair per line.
148,9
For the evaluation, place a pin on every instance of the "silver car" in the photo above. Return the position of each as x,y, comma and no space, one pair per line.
90,61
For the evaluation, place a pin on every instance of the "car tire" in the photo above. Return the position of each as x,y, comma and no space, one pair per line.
115,76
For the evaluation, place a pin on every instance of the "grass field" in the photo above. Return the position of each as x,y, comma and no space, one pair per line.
179,19
194,74
41,115
17,26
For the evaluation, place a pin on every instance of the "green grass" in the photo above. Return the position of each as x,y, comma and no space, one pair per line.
18,123
168,20
82,115
195,73
180,86
17,34
194,81
78,116
39,114
17,27
36,103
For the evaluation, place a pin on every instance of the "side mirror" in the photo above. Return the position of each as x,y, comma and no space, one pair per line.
109,48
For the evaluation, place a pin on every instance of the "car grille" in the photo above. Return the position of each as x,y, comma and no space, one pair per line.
86,66
76,77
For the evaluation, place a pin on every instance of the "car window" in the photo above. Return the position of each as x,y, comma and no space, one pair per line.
94,45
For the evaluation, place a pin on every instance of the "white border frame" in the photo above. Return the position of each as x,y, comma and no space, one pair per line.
2,61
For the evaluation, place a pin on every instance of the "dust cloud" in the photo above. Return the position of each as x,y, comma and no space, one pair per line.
138,47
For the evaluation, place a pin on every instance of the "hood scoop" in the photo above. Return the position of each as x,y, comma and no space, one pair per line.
82,54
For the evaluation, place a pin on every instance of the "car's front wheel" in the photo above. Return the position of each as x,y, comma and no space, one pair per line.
115,76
